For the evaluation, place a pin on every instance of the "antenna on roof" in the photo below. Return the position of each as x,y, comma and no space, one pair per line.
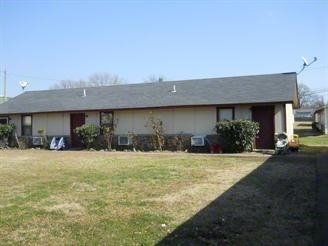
23,84
306,63
173,90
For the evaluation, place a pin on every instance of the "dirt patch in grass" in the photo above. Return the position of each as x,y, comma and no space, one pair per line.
69,208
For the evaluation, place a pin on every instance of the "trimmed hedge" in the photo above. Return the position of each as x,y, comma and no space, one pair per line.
6,131
237,135
88,134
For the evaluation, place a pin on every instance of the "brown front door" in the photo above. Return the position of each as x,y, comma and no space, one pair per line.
264,115
77,119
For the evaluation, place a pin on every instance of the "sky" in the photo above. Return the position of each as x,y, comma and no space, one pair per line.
44,42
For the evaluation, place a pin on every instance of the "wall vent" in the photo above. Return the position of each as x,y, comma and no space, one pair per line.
173,90
124,140
197,141
37,141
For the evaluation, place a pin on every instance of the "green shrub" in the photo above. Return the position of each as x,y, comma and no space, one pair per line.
88,134
6,131
237,135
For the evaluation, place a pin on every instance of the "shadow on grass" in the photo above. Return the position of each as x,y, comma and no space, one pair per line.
313,150
307,132
273,205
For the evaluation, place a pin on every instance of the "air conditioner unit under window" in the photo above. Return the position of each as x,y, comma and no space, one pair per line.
124,140
37,141
197,141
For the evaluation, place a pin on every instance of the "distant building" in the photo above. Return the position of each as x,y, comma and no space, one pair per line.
304,114
321,118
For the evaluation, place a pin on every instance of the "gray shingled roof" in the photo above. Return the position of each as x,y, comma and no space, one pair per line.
271,88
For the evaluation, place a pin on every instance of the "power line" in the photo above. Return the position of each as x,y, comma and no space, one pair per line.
314,92
318,68
29,76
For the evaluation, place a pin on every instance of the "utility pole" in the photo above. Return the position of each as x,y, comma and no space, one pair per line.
5,85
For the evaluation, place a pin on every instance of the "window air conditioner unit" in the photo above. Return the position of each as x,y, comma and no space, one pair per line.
197,141
124,140
37,141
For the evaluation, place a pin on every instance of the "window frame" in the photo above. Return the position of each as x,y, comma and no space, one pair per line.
24,127
4,118
225,108
111,124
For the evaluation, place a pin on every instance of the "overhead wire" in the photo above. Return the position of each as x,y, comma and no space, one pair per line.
29,76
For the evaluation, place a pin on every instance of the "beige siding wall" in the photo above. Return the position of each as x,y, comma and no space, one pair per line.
180,120
92,118
279,121
289,120
284,119
197,120
322,119
325,123
53,123
184,122
125,121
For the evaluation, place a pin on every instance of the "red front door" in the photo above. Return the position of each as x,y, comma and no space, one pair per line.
77,119
264,115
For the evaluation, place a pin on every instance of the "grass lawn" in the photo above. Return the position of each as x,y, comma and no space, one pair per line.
311,141
103,198
321,140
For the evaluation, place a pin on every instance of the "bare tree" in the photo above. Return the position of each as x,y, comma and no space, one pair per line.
154,78
101,79
309,98
96,79
65,84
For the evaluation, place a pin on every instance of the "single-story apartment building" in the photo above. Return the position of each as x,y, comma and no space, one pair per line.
187,107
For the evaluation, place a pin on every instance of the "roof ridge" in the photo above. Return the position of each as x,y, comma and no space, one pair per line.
165,81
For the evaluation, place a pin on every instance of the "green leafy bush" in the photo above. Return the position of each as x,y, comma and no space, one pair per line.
88,134
6,131
237,135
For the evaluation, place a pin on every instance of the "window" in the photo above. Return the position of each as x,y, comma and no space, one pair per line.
27,125
225,114
106,119
4,120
